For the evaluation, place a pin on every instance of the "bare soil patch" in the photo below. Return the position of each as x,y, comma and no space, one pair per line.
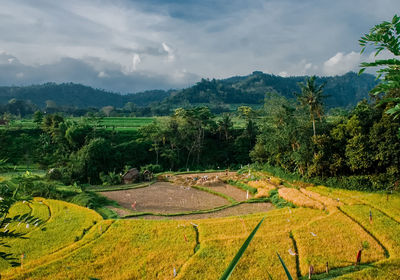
214,181
235,193
241,209
166,198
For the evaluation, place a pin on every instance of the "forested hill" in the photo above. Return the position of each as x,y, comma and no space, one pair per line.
77,95
343,91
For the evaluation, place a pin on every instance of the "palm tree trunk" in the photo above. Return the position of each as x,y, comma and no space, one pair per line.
313,125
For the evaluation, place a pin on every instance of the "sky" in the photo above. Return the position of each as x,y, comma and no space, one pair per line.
129,46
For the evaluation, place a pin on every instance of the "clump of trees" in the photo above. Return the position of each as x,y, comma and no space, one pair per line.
357,148
360,150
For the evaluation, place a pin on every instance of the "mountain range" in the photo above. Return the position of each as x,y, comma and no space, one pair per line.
342,91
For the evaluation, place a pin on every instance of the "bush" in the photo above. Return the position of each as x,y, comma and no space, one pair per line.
111,178
54,174
153,168
91,200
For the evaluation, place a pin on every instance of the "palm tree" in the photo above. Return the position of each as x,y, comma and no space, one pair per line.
311,97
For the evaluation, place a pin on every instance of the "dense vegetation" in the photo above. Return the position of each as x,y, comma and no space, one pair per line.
219,95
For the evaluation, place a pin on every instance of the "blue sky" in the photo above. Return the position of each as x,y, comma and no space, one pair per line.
130,46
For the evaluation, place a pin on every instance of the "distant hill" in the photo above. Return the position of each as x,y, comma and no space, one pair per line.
344,91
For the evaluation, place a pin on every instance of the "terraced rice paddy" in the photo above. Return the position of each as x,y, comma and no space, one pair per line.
76,243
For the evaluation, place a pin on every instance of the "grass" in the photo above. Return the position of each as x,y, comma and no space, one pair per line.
66,223
79,244
109,123
337,240
127,250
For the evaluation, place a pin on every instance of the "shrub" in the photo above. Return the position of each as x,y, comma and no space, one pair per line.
111,178
54,174
153,168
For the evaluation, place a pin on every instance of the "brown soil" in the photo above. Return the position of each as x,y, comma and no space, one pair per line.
163,197
235,193
241,209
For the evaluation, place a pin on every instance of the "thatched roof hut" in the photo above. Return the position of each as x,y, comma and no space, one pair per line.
131,176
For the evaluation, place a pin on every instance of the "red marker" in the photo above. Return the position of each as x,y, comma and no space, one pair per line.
358,257
134,205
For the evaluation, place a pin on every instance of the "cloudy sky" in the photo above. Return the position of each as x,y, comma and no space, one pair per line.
130,46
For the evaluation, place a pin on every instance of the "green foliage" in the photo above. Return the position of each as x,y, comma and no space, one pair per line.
91,200
285,268
153,168
311,97
239,254
111,178
38,117
386,36
93,158
77,135
278,201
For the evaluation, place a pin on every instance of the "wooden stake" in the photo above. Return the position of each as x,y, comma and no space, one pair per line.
310,271
370,216
327,268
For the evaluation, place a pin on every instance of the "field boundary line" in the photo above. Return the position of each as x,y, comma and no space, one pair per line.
296,251
386,252
196,212
195,249
122,188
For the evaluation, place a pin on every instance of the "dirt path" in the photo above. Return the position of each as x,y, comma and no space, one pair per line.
241,209
163,197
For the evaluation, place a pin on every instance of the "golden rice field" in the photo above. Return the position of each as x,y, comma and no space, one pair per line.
298,198
329,225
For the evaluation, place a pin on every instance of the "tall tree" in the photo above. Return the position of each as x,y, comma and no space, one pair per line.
311,97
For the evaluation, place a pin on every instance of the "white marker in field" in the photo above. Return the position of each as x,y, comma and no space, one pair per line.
291,252
174,272
247,194
313,234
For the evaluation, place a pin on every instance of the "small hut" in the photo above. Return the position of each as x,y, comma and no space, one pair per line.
131,176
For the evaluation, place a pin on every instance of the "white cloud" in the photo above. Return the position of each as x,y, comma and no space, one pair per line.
342,63
214,39
102,74
169,51
135,61
283,74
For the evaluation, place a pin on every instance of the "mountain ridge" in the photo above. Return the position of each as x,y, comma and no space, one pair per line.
343,91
